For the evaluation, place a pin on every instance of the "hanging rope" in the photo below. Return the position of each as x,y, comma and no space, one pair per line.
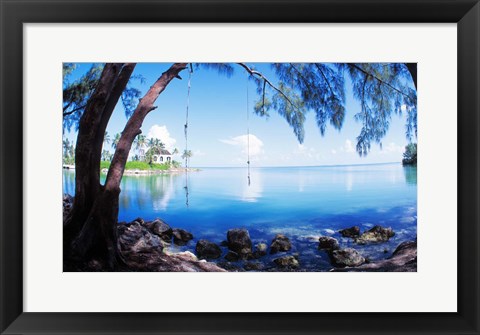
248,138
186,116
186,154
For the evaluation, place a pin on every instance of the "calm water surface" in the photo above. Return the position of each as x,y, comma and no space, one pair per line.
300,202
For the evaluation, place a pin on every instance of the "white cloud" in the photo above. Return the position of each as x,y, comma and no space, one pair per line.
348,146
162,133
198,153
334,151
255,146
391,148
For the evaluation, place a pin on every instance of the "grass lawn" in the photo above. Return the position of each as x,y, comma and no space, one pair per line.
138,166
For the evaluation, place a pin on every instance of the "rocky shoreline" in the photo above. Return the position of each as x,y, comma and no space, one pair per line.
149,245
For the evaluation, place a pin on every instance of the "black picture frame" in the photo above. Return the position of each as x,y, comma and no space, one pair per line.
466,13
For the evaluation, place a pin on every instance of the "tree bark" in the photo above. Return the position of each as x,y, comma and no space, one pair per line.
97,239
98,111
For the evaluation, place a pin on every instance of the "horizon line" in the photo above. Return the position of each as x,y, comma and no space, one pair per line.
293,166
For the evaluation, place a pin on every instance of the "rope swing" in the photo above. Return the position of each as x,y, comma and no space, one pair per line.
186,116
185,128
248,138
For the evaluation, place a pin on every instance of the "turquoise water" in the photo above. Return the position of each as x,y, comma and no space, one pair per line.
300,202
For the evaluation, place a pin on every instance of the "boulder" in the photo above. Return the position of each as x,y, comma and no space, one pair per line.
254,266
260,250
328,243
239,241
181,236
208,250
376,234
139,220
232,256
138,239
280,243
350,232
67,206
162,229
403,259
288,262
346,257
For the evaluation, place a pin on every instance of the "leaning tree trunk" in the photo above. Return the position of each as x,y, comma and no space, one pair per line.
98,236
93,123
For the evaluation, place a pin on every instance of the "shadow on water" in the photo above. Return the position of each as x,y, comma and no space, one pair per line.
410,174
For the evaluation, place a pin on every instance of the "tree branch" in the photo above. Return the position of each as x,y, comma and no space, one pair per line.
380,80
261,76
73,110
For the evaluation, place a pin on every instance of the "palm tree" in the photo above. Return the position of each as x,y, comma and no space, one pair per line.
115,141
175,151
159,144
140,141
106,138
66,147
186,155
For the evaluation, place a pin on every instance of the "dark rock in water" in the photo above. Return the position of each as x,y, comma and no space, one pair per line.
67,206
230,267
254,266
181,236
346,257
375,235
138,239
139,220
403,259
232,256
239,241
224,244
143,251
67,200
280,243
287,262
121,227
350,232
260,250
328,243
207,249
162,229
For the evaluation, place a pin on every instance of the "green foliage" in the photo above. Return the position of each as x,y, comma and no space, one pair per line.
382,89
77,93
410,154
135,165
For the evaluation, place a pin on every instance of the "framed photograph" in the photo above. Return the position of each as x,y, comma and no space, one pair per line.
240,167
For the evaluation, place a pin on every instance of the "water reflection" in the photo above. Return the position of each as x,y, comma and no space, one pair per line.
148,192
410,173
252,190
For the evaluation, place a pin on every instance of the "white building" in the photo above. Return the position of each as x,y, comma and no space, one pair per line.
161,156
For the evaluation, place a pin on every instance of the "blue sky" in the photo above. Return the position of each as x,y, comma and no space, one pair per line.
217,132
